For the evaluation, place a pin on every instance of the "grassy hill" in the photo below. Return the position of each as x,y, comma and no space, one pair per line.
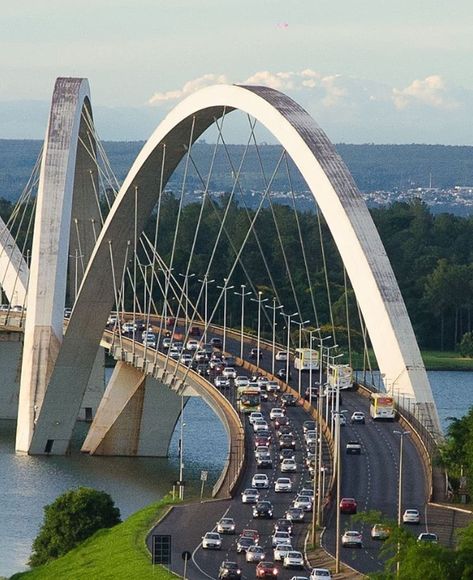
117,553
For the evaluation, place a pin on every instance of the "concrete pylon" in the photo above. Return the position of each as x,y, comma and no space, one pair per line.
65,167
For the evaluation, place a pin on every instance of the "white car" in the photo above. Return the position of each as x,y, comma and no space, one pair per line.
260,481
307,492
255,554
250,495
358,417
150,340
281,355
260,424
411,516
304,502
220,381
272,387
226,526
275,413
242,381
281,551
288,466
280,538
261,450
310,437
229,372
262,382
254,416
212,540
186,358
282,484
352,539
192,344
293,560
428,537
320,574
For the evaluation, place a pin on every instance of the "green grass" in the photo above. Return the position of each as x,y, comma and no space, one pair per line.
119,553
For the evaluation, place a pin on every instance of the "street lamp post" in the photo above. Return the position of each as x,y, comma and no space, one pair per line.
288,346
186,277
181,452
206,283
339,476
300,324
259,301
274,308
311,338
145,288
399,497
242,294
225,288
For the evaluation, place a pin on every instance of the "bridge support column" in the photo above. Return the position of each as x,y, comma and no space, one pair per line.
136,416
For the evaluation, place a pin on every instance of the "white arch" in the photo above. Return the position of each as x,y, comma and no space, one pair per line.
346,214
65,193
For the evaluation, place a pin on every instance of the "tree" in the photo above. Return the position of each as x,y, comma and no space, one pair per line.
466,345
73,517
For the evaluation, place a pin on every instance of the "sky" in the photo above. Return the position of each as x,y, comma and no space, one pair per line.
368,70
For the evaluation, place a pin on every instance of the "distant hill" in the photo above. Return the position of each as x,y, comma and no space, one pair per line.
374,167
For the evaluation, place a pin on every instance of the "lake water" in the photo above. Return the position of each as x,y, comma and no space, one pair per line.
29,483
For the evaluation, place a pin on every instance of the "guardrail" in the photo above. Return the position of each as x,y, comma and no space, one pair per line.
236,458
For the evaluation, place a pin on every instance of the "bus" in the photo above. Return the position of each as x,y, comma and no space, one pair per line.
306,359
382,407
249,400
340,375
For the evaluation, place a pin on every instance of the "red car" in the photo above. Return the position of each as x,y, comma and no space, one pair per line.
262,440
266,570
348,505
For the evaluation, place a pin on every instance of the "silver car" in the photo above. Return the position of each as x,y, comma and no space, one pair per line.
226,526
255,554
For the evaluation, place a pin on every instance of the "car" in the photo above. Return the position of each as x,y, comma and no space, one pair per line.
281,355
266,570
264,460
281,550
342,419
261,451
229,570
283,525
287,442
170,322
276,412
226,526
299,578
304,502
308,491
352,539
128,327
220,381
280,537
288,400
174,353
411,516
281,373
293,560
149,340
263,509
229,372
201,369
320,574
249,495
262,438
192,344
260,424
194,331
229,360
309,426
272,387
295,514
358,417
250,533
202,356
282,484
212,541
288,466
287,453
281,422
380,532
254,416
242,381
348,505
285,430
311,437
262,381
428,537
260,481
244,543
311,393
255,554
254,353
353,447
216,343
215,363
166,343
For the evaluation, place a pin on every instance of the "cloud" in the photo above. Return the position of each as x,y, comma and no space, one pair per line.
189,87
429,91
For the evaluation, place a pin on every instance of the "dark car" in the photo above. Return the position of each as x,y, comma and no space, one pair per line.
281,373
283,525
229,570
309,426
244,543
287,442
287,454
280,422
194,331
288,400
254,353
285,430
266,570
263,509
201,369
216,343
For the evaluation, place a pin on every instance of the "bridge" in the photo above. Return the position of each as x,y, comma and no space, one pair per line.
79,244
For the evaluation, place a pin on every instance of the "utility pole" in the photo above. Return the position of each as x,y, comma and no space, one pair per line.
242,294
274,308
225,288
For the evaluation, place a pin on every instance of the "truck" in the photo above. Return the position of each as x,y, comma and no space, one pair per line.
340,375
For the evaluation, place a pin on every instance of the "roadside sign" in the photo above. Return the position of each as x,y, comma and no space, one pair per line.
204,475
161,549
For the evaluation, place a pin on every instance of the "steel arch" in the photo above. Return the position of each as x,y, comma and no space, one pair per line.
333,187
